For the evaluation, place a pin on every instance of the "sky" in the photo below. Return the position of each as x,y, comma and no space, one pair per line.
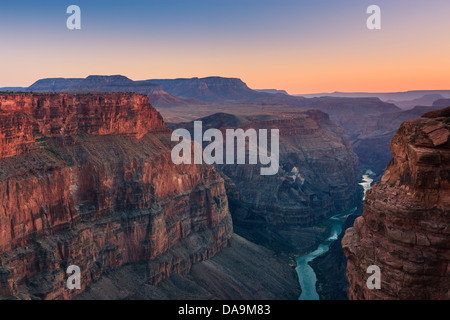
302,46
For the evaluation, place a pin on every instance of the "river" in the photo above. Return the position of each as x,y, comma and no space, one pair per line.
306,274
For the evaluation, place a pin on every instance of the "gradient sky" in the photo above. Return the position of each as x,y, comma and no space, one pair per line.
301,46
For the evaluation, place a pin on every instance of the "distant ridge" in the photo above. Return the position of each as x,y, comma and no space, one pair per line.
441,103
114,83
426,100
385,96
206,95
210,89
273,91
165,92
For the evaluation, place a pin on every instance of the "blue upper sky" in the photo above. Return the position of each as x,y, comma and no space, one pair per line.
298,45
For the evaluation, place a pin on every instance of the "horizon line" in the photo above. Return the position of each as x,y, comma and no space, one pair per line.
232,77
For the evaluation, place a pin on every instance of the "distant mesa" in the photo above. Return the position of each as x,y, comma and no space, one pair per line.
210,89
167,92
441,103
115,83
426,100
91,83
162,92
272,91
404,100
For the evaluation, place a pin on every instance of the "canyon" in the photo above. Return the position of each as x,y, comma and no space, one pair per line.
404,229
366,118
372,143
87,180
317,178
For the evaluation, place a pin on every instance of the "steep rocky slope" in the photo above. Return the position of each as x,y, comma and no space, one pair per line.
316,178
243,270
330,267
405,225
87,180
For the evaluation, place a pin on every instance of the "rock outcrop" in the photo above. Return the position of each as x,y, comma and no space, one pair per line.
372,143
405,225
87,180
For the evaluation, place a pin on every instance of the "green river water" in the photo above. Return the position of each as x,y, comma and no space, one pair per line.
306,274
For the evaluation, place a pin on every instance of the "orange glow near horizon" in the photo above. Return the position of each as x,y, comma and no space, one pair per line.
304,55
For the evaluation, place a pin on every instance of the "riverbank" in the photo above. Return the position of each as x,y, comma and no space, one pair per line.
321,273
306,275
241,271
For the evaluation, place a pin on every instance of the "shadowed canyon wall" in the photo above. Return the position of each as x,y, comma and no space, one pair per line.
317,178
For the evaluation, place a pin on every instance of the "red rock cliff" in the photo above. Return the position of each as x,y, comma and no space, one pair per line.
405,225
27,117
87,180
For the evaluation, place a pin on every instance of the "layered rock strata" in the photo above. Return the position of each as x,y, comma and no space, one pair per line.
87,180
405,228
316,179
316,176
